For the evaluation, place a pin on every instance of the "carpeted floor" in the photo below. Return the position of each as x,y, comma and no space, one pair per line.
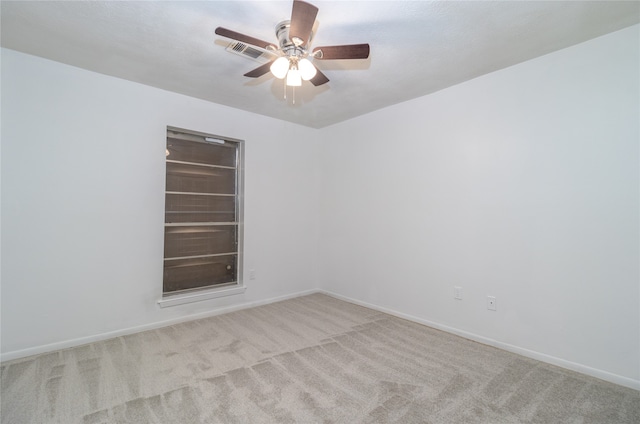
313,359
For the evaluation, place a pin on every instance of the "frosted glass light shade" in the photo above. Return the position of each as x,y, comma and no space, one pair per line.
280,67
307,70
293,78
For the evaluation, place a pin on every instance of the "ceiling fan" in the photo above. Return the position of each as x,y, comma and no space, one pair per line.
294,39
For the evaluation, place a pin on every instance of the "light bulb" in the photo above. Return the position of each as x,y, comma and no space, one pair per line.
307,70
280,67
293,78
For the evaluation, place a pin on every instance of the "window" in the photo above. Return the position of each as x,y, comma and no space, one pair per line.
203,210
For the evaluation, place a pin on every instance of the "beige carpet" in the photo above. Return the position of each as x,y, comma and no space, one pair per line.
313,359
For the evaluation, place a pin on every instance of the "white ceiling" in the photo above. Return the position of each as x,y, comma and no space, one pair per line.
417,47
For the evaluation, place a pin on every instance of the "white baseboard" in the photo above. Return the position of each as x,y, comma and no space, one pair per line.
573,366
593,372
17,354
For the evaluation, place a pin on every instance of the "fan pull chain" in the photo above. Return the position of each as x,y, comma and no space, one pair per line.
294,94
284,85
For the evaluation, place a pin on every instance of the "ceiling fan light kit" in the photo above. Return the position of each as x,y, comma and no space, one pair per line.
280,67
293,50
306,68
293,78
293,69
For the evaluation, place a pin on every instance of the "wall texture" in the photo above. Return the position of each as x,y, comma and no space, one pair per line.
522,184
83,202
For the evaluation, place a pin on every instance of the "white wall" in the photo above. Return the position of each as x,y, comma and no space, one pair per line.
82,203
522,184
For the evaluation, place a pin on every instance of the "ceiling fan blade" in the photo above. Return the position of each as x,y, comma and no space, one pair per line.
319,79
244,38
260,70
351,51
303,15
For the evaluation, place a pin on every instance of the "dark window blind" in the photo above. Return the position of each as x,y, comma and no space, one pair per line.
201,246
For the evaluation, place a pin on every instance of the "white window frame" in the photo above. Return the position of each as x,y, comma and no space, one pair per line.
238,287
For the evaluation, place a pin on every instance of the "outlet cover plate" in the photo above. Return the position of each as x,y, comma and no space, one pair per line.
491,303
457,292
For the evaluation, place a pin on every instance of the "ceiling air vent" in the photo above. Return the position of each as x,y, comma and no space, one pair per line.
245,50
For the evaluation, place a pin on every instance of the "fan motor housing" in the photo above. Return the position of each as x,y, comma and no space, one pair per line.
286,45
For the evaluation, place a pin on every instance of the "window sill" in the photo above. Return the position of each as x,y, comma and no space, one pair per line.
181,299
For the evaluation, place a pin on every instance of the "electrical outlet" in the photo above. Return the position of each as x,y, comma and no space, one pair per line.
252,274
457,292
491,303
